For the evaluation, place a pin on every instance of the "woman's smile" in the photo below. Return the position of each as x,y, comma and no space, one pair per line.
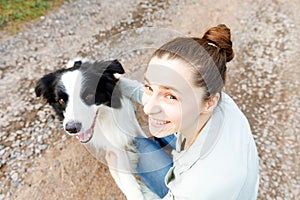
158,123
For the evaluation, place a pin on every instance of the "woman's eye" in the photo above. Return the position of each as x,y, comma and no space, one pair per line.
61,101
148,88
171,97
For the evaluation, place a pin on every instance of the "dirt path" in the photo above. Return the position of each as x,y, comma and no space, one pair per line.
38,160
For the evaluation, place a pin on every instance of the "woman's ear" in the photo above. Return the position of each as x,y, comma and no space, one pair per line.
211,104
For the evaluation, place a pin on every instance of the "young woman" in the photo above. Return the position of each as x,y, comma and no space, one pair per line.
214,154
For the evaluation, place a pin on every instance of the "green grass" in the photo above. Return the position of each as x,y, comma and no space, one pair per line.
15,13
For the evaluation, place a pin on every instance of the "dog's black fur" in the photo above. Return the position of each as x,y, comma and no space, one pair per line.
94,91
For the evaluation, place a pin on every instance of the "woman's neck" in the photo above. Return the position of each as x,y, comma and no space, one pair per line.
191,135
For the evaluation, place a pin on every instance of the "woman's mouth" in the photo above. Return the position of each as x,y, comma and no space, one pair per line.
158,123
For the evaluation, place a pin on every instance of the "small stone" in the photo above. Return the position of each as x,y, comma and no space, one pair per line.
15,184
12,155
43,147
40,139
6,155
15,176
31,90
63,138
46,35
2,152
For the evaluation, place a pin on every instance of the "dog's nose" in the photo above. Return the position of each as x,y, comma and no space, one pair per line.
73,127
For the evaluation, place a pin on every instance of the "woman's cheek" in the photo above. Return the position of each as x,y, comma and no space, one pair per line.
145,98
173,113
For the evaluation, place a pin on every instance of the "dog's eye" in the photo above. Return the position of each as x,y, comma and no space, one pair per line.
61,102
89,97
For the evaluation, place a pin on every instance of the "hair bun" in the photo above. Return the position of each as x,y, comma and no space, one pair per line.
221,37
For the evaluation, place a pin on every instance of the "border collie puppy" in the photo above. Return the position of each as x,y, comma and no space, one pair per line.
85,96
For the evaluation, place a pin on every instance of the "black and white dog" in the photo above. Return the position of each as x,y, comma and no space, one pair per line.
86,97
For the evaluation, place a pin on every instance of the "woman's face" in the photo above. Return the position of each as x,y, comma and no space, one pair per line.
170,99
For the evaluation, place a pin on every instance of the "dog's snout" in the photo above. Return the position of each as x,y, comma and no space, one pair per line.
73,127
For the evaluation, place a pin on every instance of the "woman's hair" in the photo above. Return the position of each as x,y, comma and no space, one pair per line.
207,57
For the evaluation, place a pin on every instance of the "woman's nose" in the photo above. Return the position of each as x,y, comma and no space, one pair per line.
152,106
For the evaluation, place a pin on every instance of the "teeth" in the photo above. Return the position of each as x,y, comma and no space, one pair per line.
159,122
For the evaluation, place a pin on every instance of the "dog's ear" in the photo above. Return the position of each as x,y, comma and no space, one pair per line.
74,63
45,87
77,63
114,67
106,88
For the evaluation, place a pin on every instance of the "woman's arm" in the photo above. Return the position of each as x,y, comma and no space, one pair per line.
131,88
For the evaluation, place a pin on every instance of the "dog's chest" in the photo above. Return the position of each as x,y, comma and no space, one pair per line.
110,132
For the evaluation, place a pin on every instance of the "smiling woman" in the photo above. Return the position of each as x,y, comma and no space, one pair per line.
215,155
14,13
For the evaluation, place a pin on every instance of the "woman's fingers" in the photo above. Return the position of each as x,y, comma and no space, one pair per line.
117,76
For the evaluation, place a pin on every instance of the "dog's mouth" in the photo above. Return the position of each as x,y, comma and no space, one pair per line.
88,134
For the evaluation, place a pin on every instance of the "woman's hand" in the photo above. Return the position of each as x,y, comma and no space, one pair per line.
117,76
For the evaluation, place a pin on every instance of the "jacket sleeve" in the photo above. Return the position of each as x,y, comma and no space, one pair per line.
250,187
132,89
149,195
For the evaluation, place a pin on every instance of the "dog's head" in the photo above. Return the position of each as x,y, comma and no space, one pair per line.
77,92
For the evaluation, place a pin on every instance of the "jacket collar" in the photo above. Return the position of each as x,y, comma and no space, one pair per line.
203,145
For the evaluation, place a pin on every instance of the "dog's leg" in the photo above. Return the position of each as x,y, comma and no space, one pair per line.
125,180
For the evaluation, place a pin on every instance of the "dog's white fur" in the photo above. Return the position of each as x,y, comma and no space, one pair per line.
113,132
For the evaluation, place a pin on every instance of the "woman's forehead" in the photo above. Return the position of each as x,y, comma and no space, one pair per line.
175,75
168,73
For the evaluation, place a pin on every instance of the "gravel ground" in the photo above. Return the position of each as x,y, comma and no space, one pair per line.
39,161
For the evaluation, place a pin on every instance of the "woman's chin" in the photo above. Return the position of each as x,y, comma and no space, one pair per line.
160,133
161,130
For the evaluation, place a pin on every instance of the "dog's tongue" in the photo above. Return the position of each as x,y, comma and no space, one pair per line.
87,135
84,137
81,137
